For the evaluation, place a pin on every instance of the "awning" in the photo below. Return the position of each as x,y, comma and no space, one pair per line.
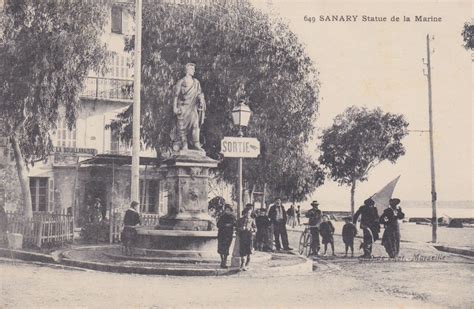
109,159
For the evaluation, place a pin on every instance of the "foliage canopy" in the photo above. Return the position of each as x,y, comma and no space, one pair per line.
48,49
468,36
239,53
360,139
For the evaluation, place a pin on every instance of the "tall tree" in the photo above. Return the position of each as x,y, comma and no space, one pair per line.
48,49
359,140
299,179
468,35
239,53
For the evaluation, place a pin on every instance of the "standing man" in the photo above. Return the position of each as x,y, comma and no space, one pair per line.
291,216
369,217
391,235
298,214
277,215
315,217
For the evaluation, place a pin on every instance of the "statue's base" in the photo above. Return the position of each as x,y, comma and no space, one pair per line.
187,174
201,242
186,222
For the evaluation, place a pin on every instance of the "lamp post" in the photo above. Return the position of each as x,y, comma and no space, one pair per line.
240,116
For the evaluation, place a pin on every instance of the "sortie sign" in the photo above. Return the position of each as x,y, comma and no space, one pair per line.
240,147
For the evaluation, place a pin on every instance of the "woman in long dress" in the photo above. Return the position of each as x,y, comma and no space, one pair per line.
129,234
225,225
391,235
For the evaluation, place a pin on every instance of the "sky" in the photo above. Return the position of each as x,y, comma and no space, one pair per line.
379,64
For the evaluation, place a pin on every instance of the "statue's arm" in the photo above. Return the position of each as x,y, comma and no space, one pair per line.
202,101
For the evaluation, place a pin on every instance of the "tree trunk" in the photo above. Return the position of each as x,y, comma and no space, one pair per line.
353,188
23,178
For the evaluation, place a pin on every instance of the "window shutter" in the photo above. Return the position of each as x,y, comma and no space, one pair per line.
51,195
116,19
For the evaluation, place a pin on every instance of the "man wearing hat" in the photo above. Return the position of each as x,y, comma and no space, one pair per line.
369,217
315,216
391,235
277,215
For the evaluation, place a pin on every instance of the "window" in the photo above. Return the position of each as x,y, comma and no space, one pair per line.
148,196
117,19
39,193
116,145
119,66
114,141
64,136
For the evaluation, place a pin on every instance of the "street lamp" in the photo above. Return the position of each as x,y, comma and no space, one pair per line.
241,115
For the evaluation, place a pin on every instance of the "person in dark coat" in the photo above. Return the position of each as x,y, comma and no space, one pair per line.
349,231
277,215
315,216
298,214
102,208
263,224
129,233
245,228
366,245
225,233
369,217
291,214
95,215
326,229
3,227
391,235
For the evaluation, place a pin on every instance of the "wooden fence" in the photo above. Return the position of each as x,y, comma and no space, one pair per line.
43,230
117,223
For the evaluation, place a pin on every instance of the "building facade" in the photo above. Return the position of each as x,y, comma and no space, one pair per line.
90,161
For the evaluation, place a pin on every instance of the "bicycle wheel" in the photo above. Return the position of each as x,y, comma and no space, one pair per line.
302,243
308,240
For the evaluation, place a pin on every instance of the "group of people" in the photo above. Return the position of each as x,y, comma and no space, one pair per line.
370,225
259,221
274,220
245,226
319,224
293,214
370,221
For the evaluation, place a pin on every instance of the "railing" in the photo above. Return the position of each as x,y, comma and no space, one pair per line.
44,229
149,219
106,88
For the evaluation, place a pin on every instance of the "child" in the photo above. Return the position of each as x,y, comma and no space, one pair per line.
245,228
349,231
326,230
263,223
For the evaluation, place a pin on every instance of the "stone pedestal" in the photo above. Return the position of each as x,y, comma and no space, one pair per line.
187,175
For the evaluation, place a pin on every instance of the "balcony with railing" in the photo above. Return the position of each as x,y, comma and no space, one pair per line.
108,89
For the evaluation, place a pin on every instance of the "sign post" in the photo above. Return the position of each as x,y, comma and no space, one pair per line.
239,147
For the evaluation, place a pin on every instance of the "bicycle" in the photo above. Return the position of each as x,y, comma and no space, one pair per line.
305,241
